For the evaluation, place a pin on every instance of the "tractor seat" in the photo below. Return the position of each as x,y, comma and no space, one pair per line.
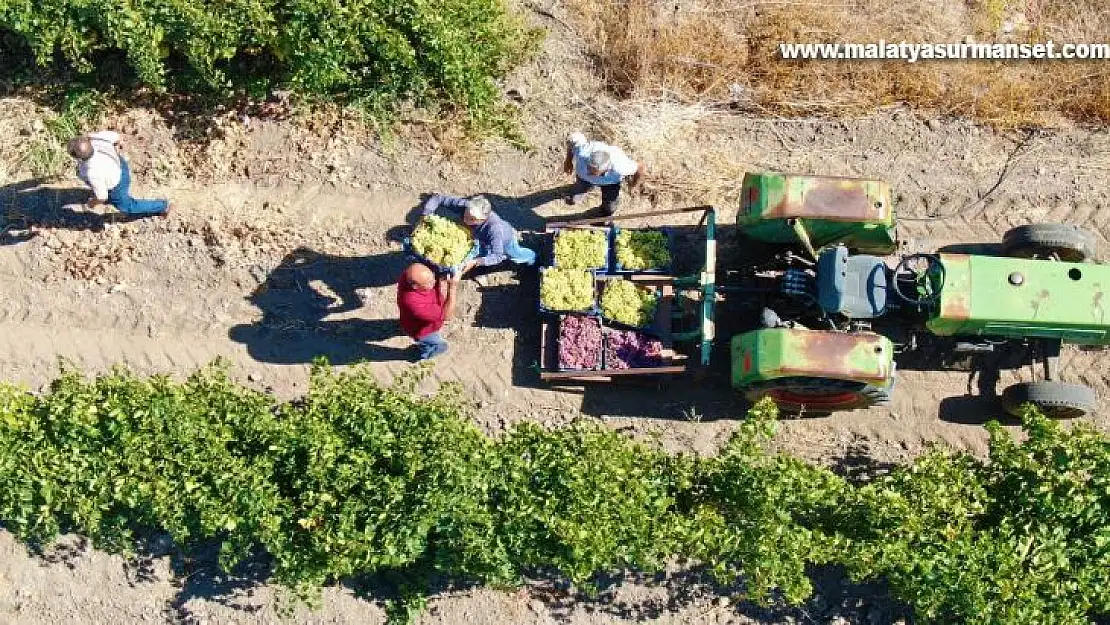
853,286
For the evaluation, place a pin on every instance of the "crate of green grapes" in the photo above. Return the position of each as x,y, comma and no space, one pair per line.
565,290
642,251
581,247
441,243
626,304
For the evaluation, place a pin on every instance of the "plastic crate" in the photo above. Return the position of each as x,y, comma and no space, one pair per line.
648,329
608,248
600,345
616,266
593,310
607,333
439,269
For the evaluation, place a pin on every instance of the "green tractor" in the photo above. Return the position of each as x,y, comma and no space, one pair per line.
835,317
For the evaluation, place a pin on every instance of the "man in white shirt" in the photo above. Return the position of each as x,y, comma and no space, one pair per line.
101,165
596,164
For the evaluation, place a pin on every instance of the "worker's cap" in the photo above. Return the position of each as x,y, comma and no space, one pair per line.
576,138
599,160
478,207
80,148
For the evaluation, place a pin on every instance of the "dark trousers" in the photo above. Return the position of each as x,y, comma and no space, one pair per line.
610,194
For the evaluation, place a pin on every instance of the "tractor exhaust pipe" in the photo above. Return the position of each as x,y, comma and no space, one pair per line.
974,348
803,236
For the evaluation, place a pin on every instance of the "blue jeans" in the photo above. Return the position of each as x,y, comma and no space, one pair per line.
431,346
120,196
520,254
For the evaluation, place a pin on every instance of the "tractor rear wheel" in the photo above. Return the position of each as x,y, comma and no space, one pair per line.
818,396
1069,243
1054,399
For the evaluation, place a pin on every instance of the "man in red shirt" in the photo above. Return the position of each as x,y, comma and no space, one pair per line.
424,307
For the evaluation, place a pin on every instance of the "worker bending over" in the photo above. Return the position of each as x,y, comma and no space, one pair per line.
497,240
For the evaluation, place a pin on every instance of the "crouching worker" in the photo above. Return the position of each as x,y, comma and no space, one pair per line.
425,303
497,240
101,165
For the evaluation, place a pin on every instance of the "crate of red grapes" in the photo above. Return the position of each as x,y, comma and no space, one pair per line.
579,343
628,349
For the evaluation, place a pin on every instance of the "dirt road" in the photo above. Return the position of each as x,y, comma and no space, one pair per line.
271,276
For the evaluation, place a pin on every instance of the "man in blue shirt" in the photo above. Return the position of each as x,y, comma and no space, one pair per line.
497,240
596,164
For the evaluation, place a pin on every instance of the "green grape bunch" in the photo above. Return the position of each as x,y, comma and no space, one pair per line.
625,302
442,241
642,249
581,249
567,289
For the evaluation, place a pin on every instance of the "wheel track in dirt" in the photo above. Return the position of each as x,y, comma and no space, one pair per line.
30,352
98,329
135,325
989,219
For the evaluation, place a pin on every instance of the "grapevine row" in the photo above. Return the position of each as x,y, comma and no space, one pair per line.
357,478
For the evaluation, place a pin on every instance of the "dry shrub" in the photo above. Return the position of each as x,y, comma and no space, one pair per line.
648,46
715,49
664,135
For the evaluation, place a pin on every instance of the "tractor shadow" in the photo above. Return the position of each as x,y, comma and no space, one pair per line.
302,299
32,205
979,401
977,249
696,397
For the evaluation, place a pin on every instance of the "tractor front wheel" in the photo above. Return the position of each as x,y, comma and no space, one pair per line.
1068,243
1054,399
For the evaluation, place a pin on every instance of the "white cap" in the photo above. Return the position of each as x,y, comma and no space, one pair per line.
576,138
599,159
478,207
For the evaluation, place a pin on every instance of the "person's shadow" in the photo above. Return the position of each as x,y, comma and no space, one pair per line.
308,287
519,211
30,204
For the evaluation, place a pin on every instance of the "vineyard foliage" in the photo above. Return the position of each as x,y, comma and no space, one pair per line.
374,51
359,477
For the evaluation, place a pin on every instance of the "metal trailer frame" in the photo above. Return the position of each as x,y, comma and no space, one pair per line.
703,282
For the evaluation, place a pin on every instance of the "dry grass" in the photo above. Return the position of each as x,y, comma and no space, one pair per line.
668,136
727,50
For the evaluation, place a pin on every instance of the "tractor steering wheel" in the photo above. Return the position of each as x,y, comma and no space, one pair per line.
925,272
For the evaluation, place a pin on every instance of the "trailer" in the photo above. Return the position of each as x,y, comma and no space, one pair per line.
683,321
